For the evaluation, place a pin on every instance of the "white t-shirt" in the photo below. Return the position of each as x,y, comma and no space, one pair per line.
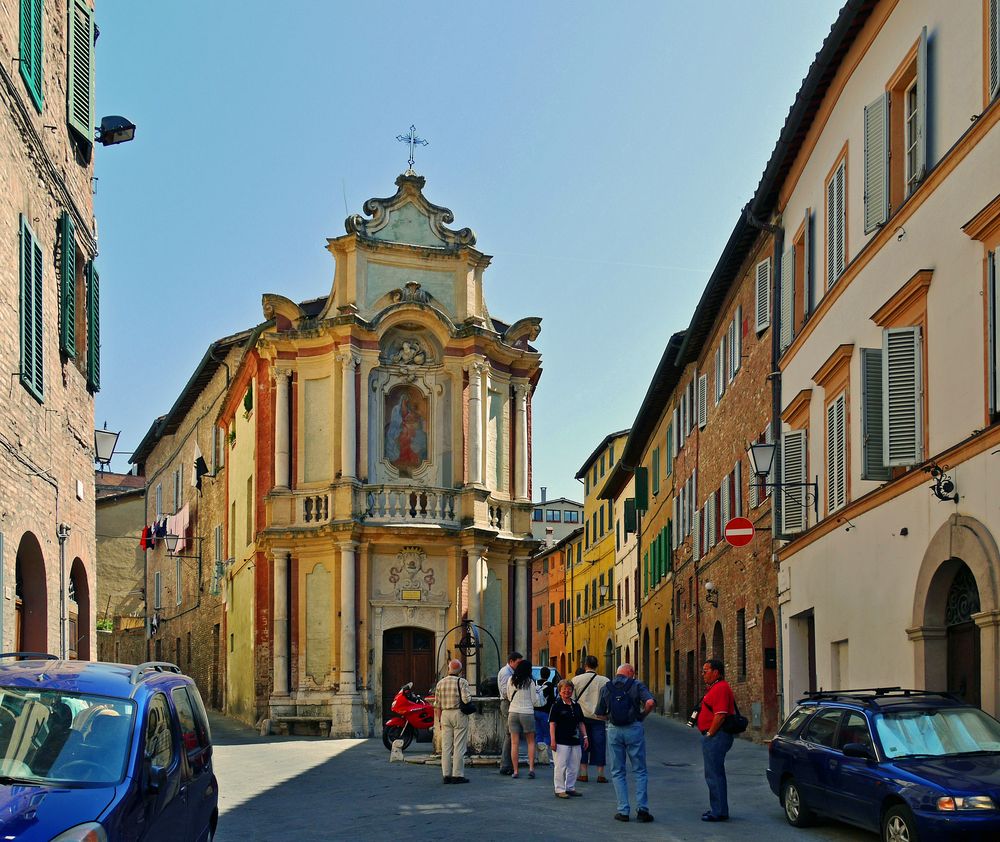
592,694
522,700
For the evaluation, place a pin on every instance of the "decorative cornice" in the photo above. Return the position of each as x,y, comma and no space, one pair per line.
986,223
834,364
913,292
797,411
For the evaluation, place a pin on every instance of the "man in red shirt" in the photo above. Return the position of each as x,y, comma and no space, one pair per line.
717,703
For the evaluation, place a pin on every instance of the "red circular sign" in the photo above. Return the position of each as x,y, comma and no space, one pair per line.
739,532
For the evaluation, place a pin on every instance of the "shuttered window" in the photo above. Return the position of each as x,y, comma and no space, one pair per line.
696,542
720,377
30,311
655,469
93,328
738,490
724,498
67,285
807,263
902,399
675,425
31,48
710,521
872,463
915,117
669,459
993,314
673,532
994,37
787,328
877,162
836,224
80,61
736,341
703,400
836,453
793,474
762,295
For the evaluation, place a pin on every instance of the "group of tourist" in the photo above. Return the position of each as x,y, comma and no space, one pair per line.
581,720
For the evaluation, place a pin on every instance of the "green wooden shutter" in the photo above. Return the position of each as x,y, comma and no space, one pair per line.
80,86
876,163
93,328
67,286
655,470
902,387
793,474
872,464
836,454
642,489
30,49
32,359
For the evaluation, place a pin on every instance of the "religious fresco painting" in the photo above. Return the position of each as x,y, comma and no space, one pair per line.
406,429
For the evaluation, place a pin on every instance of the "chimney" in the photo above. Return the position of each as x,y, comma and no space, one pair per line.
549,536
544,490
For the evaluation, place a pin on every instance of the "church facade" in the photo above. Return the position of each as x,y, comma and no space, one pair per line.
379,480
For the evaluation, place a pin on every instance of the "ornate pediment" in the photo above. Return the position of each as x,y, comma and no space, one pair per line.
409,218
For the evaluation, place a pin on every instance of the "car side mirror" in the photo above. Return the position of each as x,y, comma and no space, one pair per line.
859,750
156,777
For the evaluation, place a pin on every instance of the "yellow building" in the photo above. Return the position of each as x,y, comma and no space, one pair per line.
591,585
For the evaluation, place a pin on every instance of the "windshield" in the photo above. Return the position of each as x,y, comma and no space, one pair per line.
937,732
49,736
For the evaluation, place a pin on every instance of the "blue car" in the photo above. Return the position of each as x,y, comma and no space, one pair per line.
908,764
92,752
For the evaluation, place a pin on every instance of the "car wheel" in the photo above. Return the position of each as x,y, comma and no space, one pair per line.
796,811
393,732
898,825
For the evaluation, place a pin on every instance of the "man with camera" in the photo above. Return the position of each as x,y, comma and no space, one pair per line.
717,704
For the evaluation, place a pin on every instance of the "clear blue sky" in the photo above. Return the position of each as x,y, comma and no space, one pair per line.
601,152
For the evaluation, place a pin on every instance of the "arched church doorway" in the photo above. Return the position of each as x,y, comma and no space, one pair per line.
963,636
407,655
31,599
78,639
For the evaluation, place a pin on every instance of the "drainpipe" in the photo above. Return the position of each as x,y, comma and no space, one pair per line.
62,533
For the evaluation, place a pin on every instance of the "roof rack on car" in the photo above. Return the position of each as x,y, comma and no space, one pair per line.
34,656
870,694
140,672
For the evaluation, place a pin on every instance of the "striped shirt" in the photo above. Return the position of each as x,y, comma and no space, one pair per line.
449,692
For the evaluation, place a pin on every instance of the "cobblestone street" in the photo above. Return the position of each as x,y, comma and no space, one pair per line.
277,788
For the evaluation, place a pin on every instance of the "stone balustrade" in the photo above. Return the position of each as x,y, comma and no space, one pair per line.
407,504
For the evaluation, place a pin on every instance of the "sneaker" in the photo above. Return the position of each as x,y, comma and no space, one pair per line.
459,781
601,779
621,817
506,771
447,779
572,793
531,773
562,795
643,816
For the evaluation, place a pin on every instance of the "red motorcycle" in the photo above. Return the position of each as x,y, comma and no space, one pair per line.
412,713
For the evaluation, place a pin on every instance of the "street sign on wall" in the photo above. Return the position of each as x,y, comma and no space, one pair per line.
739,532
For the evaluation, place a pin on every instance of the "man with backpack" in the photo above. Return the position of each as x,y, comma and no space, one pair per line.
587,691
625,702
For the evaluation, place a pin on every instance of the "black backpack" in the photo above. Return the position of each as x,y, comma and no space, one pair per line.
621,703
736,723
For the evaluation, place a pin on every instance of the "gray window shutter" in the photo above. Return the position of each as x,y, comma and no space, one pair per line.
673,532
835,226
80,86
675,426
693,495
836,455
992,259
902,385
807,263
877,162
793,473
724,514
787,298
921,150
738,338
738,481
696,539
994,36
763,295
703,400
718,374
872,465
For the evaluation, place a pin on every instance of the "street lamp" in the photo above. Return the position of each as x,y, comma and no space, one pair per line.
115,129
104,446
761,455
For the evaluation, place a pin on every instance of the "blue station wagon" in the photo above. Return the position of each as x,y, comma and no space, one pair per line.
91,752
907,764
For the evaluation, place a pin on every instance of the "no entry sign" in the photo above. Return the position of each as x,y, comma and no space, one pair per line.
739,532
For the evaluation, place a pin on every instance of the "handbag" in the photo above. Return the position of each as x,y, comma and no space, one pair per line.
468,708
736,723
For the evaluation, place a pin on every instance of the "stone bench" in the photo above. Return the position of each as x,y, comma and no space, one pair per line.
283,725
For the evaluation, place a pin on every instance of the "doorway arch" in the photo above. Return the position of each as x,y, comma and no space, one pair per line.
960,543
645,657
718,643
79,627
609,659
702,651
31,597
407,655
769,656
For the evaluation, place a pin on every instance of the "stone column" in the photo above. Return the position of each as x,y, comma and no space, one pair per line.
348,428
475,442
477,584
521,440
521,605
280,624
348,618
989,642
282,376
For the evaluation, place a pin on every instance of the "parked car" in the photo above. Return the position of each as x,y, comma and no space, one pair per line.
908,764
91,752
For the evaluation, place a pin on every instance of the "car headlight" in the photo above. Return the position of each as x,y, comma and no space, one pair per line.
966,802
89,832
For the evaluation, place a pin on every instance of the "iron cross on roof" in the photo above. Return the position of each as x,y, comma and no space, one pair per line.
412,139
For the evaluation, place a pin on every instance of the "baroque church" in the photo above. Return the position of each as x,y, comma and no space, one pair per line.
379,476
